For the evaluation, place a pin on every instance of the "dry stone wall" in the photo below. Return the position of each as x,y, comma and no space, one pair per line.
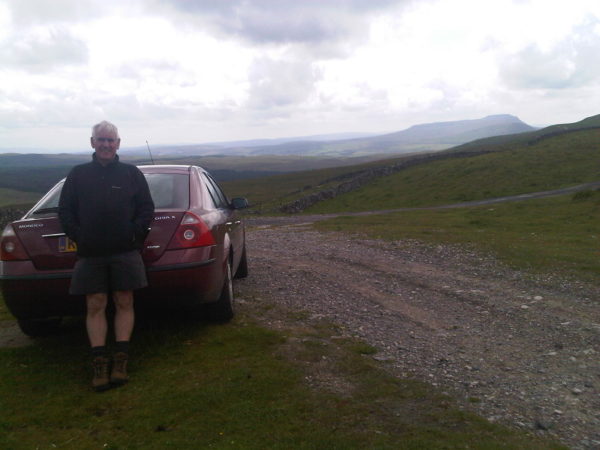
356,180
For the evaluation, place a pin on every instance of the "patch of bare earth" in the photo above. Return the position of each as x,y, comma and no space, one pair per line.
11,336
520,350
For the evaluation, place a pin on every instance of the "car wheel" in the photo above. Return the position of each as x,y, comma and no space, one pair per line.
222,309
39,327
242,270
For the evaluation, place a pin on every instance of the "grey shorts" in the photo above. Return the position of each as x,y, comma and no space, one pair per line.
121,272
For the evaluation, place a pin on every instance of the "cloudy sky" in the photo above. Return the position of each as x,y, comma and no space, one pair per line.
177,71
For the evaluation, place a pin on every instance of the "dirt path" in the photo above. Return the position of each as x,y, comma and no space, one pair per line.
520,351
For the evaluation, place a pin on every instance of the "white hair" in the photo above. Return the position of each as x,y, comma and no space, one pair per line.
104,125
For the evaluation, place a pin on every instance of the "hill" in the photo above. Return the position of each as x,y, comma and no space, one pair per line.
36,160
454,133
554,157
37,173
554,162
418,138
502,142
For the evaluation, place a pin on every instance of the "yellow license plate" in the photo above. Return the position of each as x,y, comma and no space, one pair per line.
66,245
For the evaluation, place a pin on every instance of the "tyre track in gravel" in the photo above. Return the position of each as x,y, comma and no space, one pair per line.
520,351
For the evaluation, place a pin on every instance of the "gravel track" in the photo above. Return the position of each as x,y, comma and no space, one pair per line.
520,350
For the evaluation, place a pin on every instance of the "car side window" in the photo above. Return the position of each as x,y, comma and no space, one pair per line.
219,191
214,193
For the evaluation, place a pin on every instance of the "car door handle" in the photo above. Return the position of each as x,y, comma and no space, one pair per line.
53,235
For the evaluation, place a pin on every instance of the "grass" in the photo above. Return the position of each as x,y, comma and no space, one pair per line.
560,234
268,193
514,140
235,386
550,164
14,197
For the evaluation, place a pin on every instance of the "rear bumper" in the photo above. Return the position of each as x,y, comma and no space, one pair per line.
180,266
37,298
181,284
29,293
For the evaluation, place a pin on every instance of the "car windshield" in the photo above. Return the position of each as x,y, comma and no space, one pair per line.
168,190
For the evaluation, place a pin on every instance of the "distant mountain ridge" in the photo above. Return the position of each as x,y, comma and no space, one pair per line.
459,132
493,143
278,141
441,135
418,138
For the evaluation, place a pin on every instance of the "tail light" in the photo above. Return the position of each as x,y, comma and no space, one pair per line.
11,248
191,232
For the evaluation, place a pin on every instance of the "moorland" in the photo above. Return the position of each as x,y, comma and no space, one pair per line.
199,384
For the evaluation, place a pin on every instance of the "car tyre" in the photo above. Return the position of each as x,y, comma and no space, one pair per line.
242,270
39,327
222,309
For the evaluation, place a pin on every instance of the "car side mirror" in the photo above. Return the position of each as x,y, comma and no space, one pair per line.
239,203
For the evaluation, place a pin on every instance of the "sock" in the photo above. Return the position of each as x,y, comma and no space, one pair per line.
122,346
99,351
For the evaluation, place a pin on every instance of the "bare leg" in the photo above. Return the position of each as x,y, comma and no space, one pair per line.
96,318
124,315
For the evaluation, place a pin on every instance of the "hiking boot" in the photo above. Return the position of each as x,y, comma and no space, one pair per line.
100,382
118,375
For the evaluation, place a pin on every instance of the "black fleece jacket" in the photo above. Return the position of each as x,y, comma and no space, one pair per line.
106,210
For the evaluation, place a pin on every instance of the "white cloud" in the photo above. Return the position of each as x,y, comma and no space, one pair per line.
571,63
196,71
43,49
283,21
278,83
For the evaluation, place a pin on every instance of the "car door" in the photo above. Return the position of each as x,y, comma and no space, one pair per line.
231,223
236,228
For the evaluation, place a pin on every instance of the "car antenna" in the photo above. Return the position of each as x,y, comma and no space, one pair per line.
148,145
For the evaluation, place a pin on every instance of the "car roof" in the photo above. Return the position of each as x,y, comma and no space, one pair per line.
167,168
163,168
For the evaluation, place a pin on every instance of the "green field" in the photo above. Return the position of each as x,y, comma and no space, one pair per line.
563,161
552,163
268,193
10,197
235,386
498,143
558,235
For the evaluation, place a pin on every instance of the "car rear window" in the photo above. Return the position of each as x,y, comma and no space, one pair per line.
169,190
49,203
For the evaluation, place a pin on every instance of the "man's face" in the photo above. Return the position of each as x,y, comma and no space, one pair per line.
106,143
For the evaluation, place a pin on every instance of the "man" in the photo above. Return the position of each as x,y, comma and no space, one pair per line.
106,208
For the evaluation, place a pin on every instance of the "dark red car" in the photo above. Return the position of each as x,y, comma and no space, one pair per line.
195,247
